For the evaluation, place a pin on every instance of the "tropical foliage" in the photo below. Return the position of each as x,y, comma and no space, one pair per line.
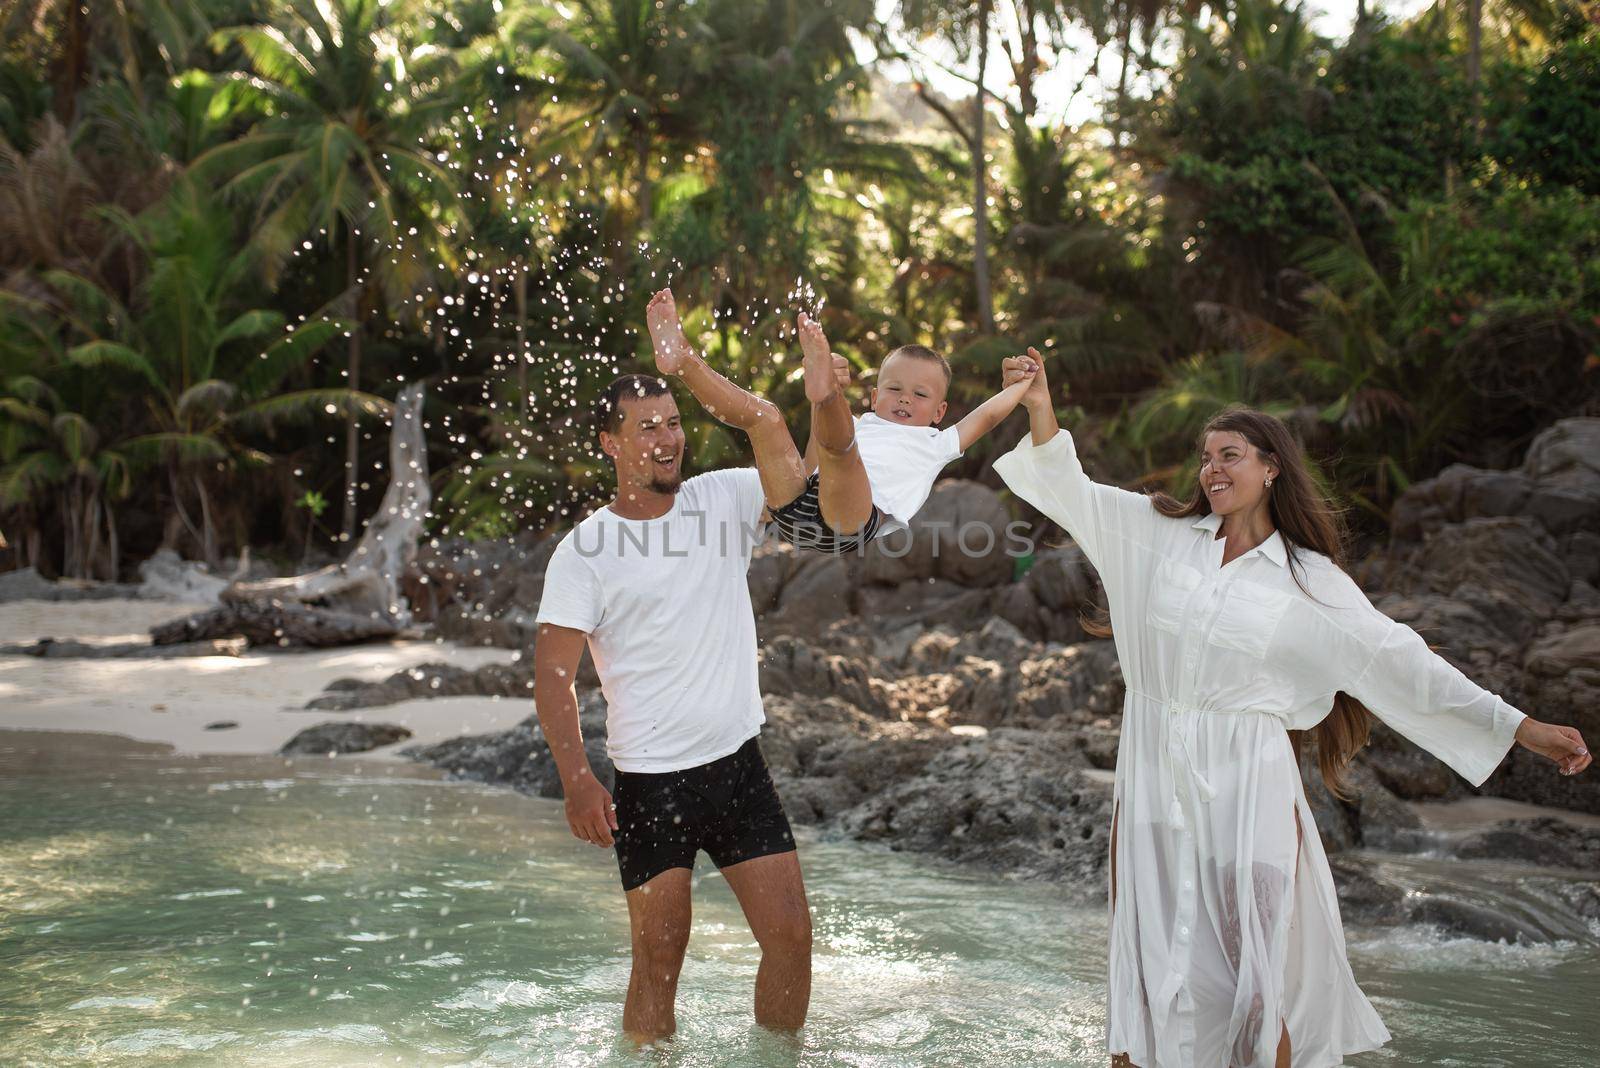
229,229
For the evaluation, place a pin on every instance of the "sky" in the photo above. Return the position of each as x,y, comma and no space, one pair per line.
1331,18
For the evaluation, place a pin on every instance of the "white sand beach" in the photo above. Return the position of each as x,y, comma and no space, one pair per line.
171,701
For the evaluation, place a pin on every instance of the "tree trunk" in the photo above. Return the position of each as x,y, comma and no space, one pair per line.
1125,44
72,63
356,600
1474,58
1026,67
980,196
352,442
646,192
208,528
114,547
520,291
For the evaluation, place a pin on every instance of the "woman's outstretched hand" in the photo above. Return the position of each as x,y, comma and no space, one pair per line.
1564,745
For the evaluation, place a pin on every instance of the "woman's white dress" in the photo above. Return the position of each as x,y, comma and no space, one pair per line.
1225,925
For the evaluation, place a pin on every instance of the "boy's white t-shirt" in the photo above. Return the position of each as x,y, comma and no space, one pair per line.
902,464
666,606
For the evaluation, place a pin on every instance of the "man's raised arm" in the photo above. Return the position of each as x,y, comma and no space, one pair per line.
556,653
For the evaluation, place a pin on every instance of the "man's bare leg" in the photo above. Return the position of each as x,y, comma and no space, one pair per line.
783,472
773,896
844,496
659,914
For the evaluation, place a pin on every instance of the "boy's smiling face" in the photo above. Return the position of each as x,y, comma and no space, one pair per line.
910,391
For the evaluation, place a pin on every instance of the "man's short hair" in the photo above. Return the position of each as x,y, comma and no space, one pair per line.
922,352
608,409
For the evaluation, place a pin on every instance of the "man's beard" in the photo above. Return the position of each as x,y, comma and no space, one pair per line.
667,484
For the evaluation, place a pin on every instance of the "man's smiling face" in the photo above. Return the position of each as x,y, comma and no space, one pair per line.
648,447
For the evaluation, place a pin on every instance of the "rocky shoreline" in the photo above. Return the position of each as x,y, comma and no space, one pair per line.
935,702
949,703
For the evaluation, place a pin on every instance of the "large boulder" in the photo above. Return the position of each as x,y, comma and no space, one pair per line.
1050,601
1011,800
1497,569
962,534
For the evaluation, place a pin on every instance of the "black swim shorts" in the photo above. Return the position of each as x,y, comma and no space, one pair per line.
800,524
728,807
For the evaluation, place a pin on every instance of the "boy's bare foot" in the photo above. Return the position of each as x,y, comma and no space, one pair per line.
666,333
817,360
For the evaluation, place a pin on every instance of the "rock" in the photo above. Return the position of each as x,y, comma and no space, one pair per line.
1052,597
520,757
166,576
330,739
1011,800
1576,650
1464,634
773,565
960,535
931,602
274,626
53,649
1469,919
789,666
1580,551
26,584
816,594
1373,818
1562,686
433,680
1363,897
1545,841
826,755
1567,457
1407,771
1495,565
484,592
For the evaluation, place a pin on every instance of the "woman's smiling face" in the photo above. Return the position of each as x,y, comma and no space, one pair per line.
1233,474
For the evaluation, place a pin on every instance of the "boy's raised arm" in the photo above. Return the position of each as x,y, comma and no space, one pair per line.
992,412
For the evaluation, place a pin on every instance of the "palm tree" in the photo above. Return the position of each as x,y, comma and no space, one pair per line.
58,474
200,375
623,82
349,106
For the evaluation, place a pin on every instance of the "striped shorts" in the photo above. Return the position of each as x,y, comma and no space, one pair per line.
800,524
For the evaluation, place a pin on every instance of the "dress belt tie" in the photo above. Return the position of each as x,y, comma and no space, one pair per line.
1203,789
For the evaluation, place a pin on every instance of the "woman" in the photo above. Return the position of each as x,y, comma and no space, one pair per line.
1235,624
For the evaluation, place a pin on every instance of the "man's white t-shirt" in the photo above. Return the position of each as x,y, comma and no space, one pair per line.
666,606
902,464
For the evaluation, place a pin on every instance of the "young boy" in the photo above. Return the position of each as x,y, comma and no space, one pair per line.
860,477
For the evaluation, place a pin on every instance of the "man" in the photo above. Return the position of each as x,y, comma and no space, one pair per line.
655,584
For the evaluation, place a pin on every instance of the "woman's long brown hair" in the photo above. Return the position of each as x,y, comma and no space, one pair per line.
1307,520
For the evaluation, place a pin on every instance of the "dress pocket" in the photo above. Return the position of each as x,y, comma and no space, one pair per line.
1174,585
1249,618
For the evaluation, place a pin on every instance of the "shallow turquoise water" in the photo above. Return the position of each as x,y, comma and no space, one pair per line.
158,910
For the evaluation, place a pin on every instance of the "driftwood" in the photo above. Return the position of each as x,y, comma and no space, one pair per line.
356,600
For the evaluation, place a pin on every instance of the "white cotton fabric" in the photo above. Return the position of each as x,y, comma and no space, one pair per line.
902,464
1222,928
666,605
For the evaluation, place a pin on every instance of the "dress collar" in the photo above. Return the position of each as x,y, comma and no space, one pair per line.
1273,548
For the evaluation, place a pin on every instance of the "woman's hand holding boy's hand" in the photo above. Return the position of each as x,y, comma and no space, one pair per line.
1030,369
